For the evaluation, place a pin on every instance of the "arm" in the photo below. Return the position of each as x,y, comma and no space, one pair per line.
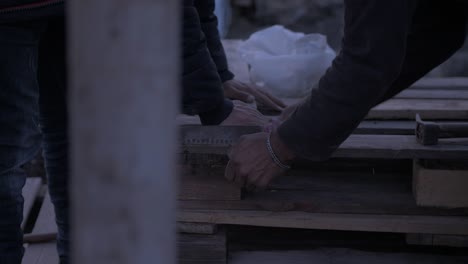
437,32
209,26
233,89
371,59
373,51
202,87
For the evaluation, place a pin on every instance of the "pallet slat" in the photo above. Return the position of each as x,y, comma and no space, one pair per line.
351,222
332,192
202,249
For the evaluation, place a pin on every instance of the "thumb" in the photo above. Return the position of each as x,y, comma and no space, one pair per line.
235,94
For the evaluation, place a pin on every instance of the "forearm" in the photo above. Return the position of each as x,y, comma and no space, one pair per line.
202,87
370,60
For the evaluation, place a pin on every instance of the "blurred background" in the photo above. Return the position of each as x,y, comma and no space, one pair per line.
238,19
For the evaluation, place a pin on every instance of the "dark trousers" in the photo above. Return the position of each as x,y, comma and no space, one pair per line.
33,114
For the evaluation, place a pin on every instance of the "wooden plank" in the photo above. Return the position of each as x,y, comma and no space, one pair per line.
437,240
44,253
445,83
197,228
208,190
400,147
326,255
450,241
202,249
387,127
440,187
450,225
316,191
433,94
30,192
204,185
427,108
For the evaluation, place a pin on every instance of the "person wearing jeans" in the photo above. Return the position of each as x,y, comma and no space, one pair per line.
32,78
33,108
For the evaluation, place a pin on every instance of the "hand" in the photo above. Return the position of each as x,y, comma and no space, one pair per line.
251,165
248,93
245,115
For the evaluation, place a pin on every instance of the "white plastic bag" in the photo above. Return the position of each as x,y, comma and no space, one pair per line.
286,63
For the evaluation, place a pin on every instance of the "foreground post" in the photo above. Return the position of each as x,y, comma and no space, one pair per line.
123,102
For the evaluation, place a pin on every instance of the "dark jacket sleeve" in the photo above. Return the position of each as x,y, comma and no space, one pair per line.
209,24
372,54
203,94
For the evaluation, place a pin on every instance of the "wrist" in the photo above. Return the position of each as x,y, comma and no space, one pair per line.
283,152
217,115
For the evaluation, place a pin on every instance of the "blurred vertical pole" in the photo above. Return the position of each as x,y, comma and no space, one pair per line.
124,83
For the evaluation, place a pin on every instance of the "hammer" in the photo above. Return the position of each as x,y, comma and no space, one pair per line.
428,133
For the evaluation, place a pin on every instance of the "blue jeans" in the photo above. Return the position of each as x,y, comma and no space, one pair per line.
33,114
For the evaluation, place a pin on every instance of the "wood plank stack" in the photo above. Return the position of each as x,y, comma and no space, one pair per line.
380,179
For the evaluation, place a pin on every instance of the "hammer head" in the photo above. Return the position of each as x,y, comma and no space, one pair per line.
427,133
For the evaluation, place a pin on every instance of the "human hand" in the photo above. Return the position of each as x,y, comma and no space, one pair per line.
248,93
245,115
250,163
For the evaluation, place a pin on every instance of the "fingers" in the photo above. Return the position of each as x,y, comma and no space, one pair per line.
266,101
251,116
235,94
233,174
265,98
275,99
249,93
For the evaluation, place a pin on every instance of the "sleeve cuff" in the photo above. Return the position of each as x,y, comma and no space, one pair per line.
218,114
226,75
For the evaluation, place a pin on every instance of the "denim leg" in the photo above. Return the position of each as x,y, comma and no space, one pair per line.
19,135
53,120
11,215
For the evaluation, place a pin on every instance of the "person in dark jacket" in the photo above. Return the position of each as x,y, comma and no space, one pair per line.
33,93
387,46
205,69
